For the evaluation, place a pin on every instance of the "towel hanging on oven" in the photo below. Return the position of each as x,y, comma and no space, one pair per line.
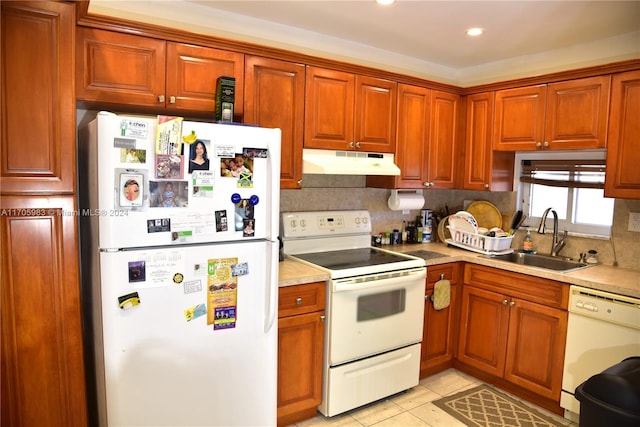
441,293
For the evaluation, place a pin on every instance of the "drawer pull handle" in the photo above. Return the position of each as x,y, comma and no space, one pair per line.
298,300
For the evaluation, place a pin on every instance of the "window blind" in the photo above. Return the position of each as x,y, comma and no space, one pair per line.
564,173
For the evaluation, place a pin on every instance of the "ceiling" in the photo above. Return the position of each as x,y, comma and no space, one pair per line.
422,38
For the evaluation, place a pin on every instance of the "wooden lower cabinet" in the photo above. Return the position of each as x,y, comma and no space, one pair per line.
300,351
513,327
439,330
43,377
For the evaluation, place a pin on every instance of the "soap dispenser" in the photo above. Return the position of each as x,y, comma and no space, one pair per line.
527,244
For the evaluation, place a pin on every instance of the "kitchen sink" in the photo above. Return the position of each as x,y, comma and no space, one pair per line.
556,263
425,254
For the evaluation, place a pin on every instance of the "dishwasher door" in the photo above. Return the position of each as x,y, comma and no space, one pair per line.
603,330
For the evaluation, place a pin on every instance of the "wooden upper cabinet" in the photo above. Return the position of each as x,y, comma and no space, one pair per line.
519,118
427,134
577,113
412,143
443,140
37,146
559,116
623,154
274,98
125,69
375,114
119,68
484,169
192,74
344,111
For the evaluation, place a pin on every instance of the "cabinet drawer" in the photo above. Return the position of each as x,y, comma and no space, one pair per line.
448,271
293,300
534,289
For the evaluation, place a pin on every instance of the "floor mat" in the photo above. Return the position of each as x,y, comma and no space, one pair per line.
484,406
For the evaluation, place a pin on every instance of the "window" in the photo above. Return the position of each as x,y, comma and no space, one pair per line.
573,188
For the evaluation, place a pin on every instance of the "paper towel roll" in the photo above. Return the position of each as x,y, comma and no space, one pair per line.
406,201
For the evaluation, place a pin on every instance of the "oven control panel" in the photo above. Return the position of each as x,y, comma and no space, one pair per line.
325,223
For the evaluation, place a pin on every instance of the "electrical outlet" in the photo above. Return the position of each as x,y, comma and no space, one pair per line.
634,221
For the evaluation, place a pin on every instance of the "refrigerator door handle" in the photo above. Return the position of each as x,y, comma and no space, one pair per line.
272,290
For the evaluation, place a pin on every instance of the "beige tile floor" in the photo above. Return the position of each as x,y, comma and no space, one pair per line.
411,408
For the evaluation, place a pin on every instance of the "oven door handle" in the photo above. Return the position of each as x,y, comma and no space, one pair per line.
346,285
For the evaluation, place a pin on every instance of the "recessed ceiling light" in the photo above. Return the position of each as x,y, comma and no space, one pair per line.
474,31
385,1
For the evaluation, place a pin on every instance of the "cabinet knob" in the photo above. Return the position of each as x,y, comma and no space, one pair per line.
505,302
351,144
358,144
298,300
538,144
486,186
161,98
426,297
172,100
300,183
512,303
545,144
322,318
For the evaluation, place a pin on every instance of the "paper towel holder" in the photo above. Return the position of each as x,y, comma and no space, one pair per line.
397,195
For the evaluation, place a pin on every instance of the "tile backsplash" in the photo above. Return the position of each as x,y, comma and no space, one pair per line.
326,192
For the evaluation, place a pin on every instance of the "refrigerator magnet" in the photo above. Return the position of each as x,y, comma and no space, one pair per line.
221,221
248,229
131,189
240,269
195,312
255,153
137,271
128,301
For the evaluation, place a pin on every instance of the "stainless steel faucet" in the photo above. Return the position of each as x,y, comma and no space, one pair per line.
556,246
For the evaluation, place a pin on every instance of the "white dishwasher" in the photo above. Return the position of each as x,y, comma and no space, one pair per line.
603,329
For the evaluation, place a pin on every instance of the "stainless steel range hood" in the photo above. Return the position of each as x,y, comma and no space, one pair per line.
332,162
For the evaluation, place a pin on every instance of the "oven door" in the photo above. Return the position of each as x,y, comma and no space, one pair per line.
375,313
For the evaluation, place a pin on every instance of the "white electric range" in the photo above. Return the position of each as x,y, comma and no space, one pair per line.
374,309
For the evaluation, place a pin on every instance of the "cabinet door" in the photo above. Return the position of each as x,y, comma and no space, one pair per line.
43,375
478,142
535,350
329,109
484,323
412,154
623,156
577,113
274,98
375,114
192,73
519,118
37,149
438,330
443,140
120,68
300,352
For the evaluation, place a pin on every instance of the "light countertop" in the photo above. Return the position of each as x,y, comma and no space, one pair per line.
602,277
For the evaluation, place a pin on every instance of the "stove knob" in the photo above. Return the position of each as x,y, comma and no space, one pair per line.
357,220
293,223
303,223
365,220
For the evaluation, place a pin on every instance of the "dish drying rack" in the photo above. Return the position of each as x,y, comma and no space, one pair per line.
479,243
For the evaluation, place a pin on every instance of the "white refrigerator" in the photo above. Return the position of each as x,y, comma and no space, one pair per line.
179,225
